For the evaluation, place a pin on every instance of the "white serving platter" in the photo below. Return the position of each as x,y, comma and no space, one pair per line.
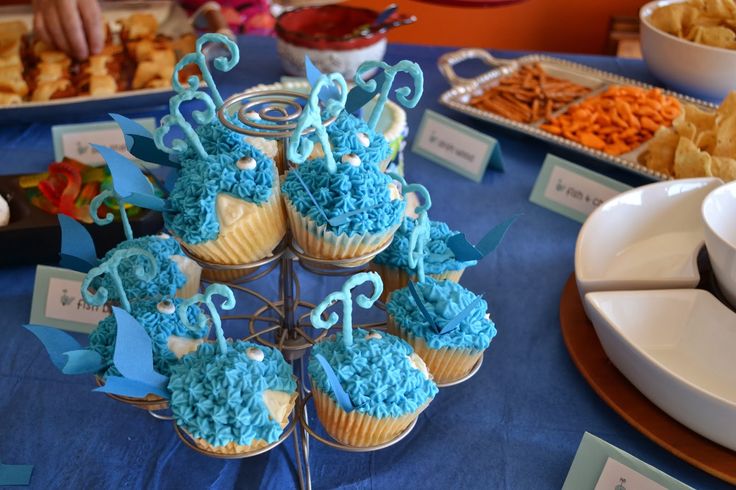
677,347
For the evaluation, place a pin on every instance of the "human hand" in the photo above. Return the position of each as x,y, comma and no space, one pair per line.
73,26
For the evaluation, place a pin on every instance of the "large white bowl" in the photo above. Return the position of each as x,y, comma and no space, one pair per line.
677,347
684,66
719,216
645,238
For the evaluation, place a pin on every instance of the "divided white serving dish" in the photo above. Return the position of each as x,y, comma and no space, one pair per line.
677,347
636,265
645,238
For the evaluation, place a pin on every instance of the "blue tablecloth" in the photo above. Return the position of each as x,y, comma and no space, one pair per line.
516,424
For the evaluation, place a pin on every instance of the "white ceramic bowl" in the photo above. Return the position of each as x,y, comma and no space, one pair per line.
684,66
719,216
645,238
677,348
345,62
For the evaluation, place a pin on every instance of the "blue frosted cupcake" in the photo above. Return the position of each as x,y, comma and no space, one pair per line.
387,382
170,339
450,355
440,263
227,208
233,402
177,275
354,186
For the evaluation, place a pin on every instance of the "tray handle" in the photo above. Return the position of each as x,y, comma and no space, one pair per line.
447,62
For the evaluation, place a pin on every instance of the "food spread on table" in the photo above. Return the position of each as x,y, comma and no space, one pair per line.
138,57
601,116
700,143
708,22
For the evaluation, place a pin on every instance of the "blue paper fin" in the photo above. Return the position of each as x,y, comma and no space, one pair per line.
130,127
133,351
453,324
77,248
15,474
56,342
420,304
465,251
144,148
116,385
358,97
129,182
82,361
313,74
343,399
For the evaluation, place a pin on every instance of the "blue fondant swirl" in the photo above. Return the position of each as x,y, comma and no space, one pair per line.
164,284
444,300
193,199
219,398
375,373
348,189
439,257
159,326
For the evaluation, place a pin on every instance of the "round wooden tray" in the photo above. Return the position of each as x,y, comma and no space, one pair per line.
587,353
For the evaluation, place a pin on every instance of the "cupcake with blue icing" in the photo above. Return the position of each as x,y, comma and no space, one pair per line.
170,337
446,324
337,209
368,386
225,207
456,332
231,397
439,262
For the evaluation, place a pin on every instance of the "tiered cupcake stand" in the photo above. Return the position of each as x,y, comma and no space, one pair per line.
283,323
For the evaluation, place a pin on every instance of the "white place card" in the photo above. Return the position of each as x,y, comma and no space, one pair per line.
73,140
457,147
57,301
599,465
572,190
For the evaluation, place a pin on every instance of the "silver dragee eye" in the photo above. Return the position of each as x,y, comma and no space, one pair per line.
166,307
364,140
373,336
351,159
254,354
247,163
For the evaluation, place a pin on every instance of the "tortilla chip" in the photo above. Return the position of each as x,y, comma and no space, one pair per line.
723,168
660,153
685,128
723,9
726,138
728,106
690,161
706,140
674,19
701,119
717,36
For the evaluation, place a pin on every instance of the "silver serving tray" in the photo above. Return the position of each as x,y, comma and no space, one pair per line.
458,98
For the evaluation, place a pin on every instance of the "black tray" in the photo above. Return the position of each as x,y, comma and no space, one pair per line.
33,236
